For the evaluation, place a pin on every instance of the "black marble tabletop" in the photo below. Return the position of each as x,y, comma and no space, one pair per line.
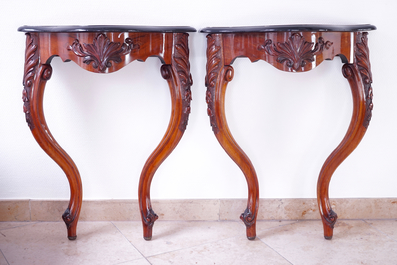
108,28
293,27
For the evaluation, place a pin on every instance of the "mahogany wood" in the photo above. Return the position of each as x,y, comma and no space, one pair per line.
106,52
289,50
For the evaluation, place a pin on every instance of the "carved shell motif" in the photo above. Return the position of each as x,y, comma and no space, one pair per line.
102,51
295,52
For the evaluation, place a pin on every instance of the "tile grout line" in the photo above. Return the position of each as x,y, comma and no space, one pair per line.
260,239
365,221
275,251
209,242
4,257
131,243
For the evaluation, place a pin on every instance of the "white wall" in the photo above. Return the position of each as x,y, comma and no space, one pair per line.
287,123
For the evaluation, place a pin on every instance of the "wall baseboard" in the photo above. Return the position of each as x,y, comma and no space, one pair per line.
200,209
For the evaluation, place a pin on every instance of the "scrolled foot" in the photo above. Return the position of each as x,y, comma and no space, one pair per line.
249,220
329,221
71,225
148,222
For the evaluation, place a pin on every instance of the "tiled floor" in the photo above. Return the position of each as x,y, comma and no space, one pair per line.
199,242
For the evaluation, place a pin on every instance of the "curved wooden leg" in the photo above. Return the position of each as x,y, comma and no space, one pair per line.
217,79
35,78
179,80
360,79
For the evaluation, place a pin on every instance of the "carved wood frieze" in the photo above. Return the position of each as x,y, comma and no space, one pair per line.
296,52
102,51
213,69
182,66
31,62
364,67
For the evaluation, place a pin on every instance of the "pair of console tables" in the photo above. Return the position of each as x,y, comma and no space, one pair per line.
106,49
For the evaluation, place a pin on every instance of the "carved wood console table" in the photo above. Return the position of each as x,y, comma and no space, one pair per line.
106,49
291,48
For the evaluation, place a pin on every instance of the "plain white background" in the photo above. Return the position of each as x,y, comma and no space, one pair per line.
110,123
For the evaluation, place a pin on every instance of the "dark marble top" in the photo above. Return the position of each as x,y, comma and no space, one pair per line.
295,27
107,28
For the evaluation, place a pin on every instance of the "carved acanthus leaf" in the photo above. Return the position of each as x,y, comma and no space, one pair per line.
364,67
102,51
213,68
295,52
182,66
31,62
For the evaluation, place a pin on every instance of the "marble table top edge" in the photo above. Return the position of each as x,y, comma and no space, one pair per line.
290,28
107,28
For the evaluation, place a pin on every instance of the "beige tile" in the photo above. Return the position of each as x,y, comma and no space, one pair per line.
263,225
307,209
47,210
211,209
46,243
235,250
389,227
271,209
187,209
14,210
373,208
128,210
231,209
354,242
113,210
175,235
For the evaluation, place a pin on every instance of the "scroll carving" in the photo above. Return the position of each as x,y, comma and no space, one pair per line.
248,218
295,52
31,62
331,218
150,218
182,65
68,218
364,67
102,51
213,69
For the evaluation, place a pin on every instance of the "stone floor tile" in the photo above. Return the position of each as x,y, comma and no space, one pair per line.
173,235
143,261
354,242
3,260
8,225
235,250
46,243
389,227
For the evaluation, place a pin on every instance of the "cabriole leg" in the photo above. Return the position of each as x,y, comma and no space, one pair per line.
35,78
179,80
218,76
360,78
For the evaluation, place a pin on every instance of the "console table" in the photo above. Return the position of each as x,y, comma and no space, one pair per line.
290,48
106,49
